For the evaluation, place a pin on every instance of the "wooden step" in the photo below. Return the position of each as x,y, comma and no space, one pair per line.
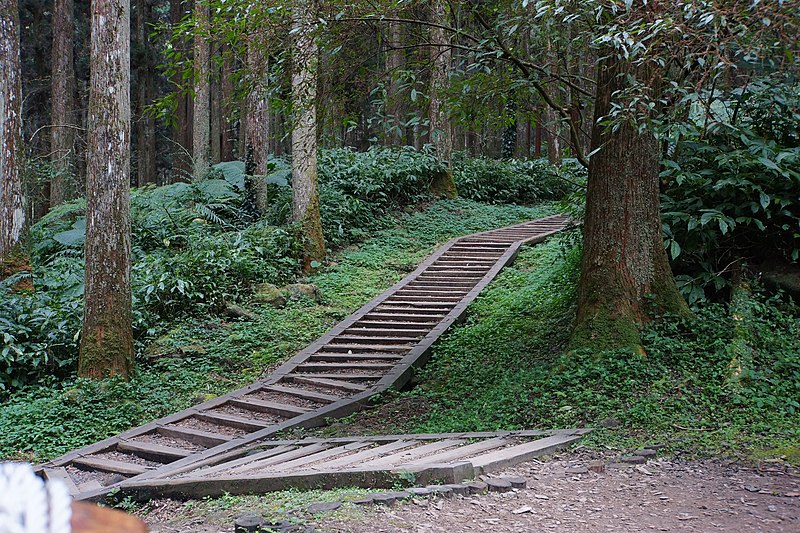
261,406
397,348
224,419
333,357
108,465
374,340
327,383
60,473
321,367
302,393
360,376
407,456
196,436
386,332
153,452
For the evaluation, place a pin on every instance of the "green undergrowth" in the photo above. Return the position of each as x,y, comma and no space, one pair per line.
201,356
506,368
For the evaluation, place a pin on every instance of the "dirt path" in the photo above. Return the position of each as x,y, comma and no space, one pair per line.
660,495
657,496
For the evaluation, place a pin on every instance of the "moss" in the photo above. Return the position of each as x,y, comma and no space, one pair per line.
314,239
607,330
106,350
443,185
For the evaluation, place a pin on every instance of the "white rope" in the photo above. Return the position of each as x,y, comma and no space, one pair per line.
29,505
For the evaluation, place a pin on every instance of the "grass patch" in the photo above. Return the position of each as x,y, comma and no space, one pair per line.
206,356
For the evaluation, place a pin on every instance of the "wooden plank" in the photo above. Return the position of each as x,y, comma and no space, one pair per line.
337,376
319,456
463,452
282,458
224,419
328,383
332,357
60,473
275,408
359,457
384,332
520,453
335,347
302,393
108,465
407,456
314,366
153,452
373,340
203,438
247,459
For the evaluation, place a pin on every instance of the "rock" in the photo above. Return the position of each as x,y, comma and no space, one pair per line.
367,500
307,290
609,422
477,487
598,467
646,452
440,490
248,523
458,488
267,293
323,507
655,447
516,482
498,485
751,488
633,459
576,470
389,498
525,509
236,311
419,491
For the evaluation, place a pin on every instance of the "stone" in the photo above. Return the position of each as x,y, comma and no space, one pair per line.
610,422
477,487
597,467
363,501
516,482
655,447
633,459
389,498
458,489
646,452
267,293
573,470
248,523
306,290
498,485
235,311
323,507
440,490
419,491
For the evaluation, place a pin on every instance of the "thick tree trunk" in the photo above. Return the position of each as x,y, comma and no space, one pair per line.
107,338
440,134
305,197
146,170
62,83
201,121
12,201
625,275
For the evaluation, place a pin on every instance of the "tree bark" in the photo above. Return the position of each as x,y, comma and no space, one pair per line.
62,83
394,104
440,134
227,94
107,338
146,170
201,130
257,121
181,132
12,201
625,275
305,196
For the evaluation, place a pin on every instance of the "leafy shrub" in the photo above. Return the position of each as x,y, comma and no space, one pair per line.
517,181
732,194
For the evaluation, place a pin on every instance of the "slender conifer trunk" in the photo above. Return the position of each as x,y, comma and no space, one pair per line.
62,83
201,121
440,132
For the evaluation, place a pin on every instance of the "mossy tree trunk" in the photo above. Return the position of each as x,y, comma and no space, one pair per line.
12,201
625,274
440,131
257,120
62,97
181,130
107,338
305,196
146,167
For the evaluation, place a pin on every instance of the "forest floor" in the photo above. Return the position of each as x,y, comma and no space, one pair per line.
662,495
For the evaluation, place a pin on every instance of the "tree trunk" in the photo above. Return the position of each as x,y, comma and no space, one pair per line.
201,130
62,83
181,132
625,275
146,170
257,121
227,89
440,134
12,201
305,197
394,105
107,338
215,119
